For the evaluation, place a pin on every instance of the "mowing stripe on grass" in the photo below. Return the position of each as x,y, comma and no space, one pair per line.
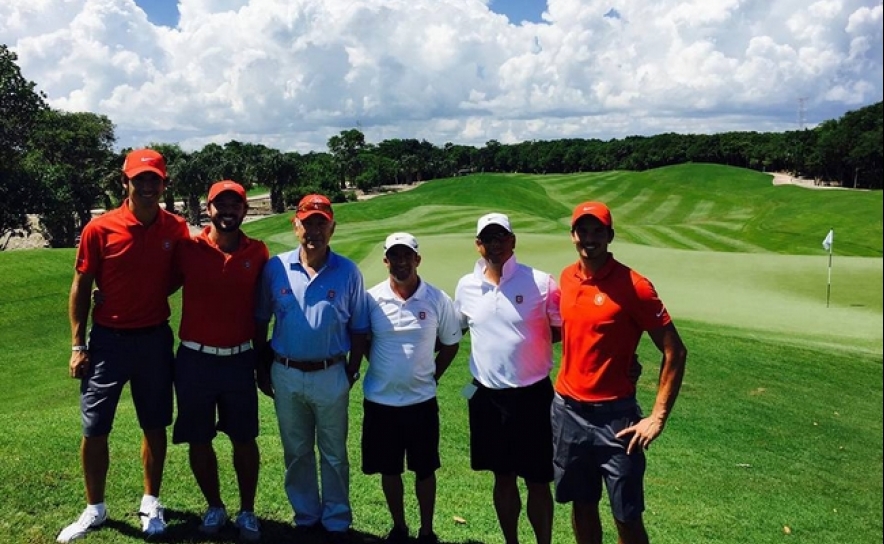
675,235
732,243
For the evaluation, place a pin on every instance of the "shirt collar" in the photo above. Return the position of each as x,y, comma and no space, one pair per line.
509,268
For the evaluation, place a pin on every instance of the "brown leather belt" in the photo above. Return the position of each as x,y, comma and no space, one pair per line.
308,366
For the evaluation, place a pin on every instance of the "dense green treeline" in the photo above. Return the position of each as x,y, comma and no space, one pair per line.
61,165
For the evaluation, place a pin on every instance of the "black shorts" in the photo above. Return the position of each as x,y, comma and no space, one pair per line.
206,385
510,431
587,453
392,434
143,359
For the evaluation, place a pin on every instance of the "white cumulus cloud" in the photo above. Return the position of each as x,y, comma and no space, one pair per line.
292,73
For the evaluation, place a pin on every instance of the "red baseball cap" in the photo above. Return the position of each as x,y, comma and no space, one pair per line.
313,204
144,160
595,209
226,185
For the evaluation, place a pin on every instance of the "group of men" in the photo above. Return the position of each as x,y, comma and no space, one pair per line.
581,432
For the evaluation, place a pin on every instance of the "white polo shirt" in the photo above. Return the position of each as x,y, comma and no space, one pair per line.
402,361
509,323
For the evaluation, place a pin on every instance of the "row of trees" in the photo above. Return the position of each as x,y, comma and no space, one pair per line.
61,165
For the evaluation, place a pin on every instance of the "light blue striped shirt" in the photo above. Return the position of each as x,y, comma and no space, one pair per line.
313,317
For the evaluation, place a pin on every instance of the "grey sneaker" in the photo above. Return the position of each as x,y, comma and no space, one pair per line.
249,528
87,521
152,522
213,520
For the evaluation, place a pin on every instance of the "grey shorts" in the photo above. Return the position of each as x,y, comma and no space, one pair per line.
143,359
587,453
206,385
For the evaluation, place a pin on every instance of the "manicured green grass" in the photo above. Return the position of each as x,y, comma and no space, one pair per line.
779,423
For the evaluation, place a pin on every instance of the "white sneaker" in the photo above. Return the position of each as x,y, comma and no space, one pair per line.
214,518
88,520
152,522
249,529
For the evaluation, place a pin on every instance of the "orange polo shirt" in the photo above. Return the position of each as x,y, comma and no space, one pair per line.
132,265
218,298
603,318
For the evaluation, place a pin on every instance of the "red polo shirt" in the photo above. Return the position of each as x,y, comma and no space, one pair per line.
218,300
603,318
132,264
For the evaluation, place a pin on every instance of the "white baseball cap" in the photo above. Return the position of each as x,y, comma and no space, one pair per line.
493,219
401,239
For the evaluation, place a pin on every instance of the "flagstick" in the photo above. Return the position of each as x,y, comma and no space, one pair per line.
829,281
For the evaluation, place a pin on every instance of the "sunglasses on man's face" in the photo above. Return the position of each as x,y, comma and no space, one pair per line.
488,237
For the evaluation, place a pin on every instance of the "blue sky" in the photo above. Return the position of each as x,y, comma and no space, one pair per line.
165,12
290,74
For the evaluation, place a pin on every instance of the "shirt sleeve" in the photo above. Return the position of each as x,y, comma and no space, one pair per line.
89,250
553,303
360,314
264,300
449,331
650,312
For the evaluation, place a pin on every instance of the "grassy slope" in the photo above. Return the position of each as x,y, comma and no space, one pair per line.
780,419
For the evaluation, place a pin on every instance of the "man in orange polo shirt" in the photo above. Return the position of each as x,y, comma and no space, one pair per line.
215,366
598,429
127,253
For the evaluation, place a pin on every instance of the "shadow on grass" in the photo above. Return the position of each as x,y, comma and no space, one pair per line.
183,527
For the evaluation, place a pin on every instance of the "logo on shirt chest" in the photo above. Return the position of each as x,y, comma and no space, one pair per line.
520,299
331,294
599,299
247,264
167,245
422,315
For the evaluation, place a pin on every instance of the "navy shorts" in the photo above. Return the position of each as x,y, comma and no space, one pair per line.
143,359
392,434
215,393
510,431
587,453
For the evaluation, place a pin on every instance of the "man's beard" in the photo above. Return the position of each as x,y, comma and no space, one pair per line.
226,224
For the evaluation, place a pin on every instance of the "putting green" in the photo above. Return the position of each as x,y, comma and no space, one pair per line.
762,293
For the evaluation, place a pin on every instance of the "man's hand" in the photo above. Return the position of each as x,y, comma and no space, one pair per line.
643,433
79,364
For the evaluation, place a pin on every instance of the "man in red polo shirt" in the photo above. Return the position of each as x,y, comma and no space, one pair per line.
127,253
215,366
598,429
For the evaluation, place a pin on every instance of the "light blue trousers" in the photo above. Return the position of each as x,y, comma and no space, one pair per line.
311,408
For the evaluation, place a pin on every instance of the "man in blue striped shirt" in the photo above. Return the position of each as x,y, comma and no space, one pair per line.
319,307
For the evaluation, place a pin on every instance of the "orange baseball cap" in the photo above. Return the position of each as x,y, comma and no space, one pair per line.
595,209
226,185
144,160
313,204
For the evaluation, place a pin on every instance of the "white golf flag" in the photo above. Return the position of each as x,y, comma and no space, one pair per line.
827,242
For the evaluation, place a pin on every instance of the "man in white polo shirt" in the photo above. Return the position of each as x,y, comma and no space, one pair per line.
414,337
512,313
